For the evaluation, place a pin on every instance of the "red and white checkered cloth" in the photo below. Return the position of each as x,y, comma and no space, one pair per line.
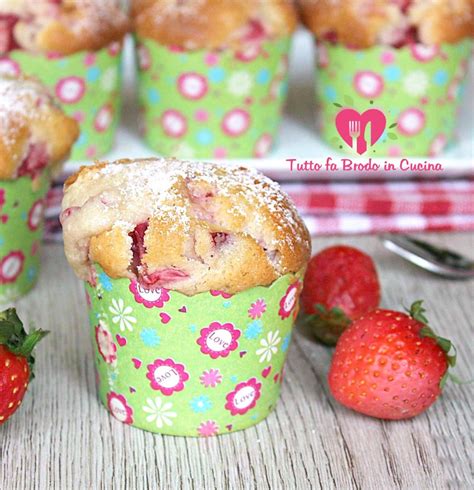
360,207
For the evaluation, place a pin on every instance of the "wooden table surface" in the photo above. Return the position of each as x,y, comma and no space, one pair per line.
62,438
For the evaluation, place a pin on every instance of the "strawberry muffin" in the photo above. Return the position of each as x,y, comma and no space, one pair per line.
72,46
191,303
213,74
35,138
395,69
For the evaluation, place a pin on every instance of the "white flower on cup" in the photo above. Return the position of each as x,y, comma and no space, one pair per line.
122,315
159,412
416,83
185,151
269,346
240,84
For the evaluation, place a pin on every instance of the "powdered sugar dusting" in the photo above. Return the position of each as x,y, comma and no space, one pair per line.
18,99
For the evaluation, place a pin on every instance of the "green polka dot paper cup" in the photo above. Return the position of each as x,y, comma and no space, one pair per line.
212,104
22,204
198,365
88,86
391,102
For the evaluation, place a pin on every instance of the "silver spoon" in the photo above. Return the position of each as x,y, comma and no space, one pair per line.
439,261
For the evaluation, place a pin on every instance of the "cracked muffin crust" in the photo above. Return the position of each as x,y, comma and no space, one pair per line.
366,23
189,227
60,26
34,132
213,24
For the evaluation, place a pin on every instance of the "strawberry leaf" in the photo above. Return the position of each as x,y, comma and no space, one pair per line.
327,325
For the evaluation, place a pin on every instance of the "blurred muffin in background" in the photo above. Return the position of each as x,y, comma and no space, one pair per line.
213,74
35,138
72,46
398,65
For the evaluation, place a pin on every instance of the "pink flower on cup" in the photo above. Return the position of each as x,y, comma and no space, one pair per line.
167,376
218,339
424,53
150,298
244,397
119,408
11,266
104,118
208,429
144,57
35,215
215,292
192,86
174,123
263,145
9,67
257,309
211,378
368,84
438,145
105,344
289,300
236,122
70,90
411,121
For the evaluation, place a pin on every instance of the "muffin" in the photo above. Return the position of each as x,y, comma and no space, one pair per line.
74,47
212,74
35,138
395,69
191,304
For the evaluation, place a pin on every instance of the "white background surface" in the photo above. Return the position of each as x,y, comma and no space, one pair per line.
298,137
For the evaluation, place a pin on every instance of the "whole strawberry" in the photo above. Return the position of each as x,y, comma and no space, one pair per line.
340,285
16,361
390,365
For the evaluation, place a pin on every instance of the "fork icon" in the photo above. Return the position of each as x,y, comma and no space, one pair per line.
354,132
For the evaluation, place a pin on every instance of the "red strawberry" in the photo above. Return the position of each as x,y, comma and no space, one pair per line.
16,361
390,365
340,285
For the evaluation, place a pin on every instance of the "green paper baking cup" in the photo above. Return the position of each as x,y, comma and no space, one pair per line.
198,365
22,204
391,102
88,86
212,104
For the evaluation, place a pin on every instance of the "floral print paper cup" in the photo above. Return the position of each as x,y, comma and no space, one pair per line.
87,84
198,365
405,100
22,204
212,104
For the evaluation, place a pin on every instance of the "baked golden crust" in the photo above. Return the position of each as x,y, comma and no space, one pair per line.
212,24
34,132
366,23
190,227
69,26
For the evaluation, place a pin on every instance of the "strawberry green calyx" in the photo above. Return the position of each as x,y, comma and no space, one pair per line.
417,312
327,325
14,337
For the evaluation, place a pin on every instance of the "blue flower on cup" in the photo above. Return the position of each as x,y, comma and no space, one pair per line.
253,330
150,337
105,281
201,404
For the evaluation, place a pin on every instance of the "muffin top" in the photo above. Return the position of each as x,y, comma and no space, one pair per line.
213,24
60,26
189,227
34,132
366,23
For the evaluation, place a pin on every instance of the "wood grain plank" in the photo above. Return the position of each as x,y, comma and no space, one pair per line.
63,439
